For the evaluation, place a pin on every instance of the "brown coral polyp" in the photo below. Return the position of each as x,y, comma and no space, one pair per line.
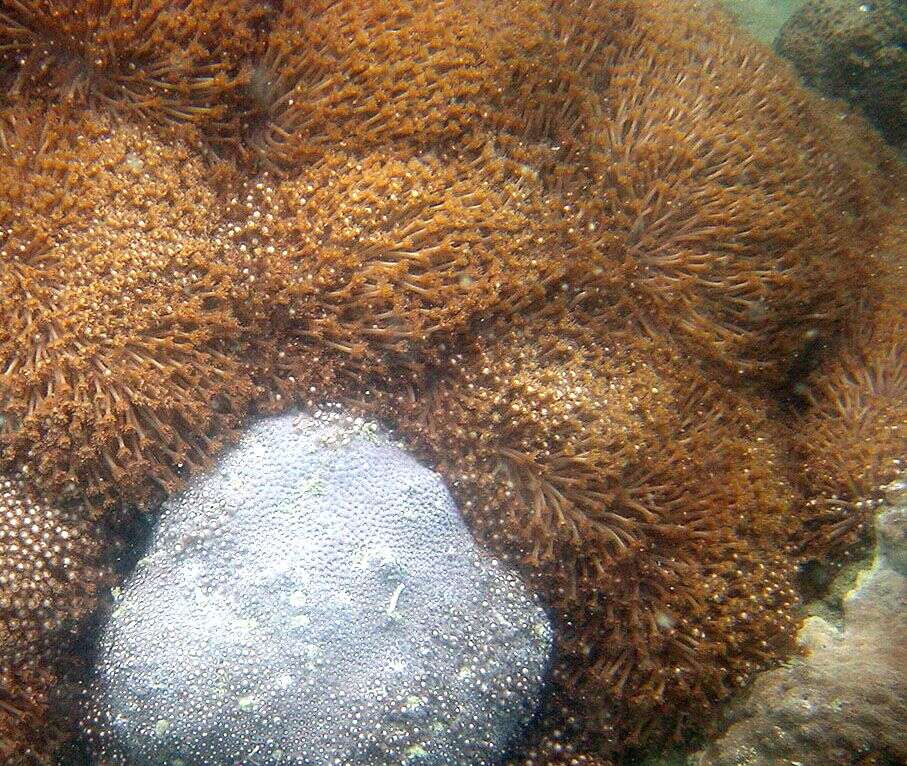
626,485
168,62
114,397
582,256
51,571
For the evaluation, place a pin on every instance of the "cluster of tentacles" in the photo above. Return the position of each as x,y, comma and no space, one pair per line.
603,263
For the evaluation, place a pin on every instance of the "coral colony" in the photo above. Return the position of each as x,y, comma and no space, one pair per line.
603,264
316,598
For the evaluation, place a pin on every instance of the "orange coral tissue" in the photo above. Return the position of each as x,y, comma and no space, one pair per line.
604,264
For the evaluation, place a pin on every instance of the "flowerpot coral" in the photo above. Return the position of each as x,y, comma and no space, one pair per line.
603,263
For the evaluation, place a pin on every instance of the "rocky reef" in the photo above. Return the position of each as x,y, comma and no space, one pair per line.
317,598
845,701
857,51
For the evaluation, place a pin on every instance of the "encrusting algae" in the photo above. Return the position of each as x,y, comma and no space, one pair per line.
604,264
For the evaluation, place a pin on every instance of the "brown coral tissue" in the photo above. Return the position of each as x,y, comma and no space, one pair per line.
50,575
604,264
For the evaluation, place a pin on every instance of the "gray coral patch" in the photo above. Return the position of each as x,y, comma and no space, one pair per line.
316,599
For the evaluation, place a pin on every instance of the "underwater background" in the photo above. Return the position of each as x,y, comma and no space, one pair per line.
763,18
433,383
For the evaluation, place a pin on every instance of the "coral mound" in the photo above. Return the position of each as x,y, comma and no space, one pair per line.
326,580
603,263
168,62
659,599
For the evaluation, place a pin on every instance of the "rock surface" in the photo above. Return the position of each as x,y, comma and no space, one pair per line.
855,50
316,599
845,702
